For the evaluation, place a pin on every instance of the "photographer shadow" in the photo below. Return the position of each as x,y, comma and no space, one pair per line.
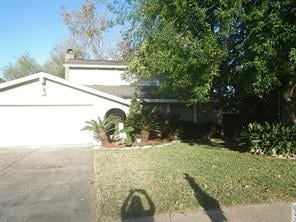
138,205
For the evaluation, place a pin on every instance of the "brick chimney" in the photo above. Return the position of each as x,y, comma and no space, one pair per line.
69,55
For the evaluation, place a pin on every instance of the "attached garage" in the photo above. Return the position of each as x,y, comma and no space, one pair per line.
44,125
45,110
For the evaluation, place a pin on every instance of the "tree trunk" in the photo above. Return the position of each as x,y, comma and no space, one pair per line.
288,103
104,139
145,135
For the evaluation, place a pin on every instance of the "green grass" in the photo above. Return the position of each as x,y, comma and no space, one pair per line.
215,176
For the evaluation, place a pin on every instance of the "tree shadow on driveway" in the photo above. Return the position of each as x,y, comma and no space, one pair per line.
210,205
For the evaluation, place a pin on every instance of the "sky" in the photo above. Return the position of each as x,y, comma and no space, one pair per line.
32,26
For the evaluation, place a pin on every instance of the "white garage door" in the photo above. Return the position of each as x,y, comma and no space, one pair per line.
44,125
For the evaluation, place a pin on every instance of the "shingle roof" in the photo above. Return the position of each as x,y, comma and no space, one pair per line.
127,92
94,62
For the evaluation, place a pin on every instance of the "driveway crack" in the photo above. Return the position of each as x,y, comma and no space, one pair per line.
2,171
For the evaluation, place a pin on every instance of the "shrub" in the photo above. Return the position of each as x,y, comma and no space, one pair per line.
142,119
170,127
128,140
206,130
101,128
270,139
148,125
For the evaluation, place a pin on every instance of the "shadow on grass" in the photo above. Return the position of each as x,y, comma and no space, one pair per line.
219,144
210,205
138,204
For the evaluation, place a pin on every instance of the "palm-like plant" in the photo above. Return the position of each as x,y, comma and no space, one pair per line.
101,128
147,125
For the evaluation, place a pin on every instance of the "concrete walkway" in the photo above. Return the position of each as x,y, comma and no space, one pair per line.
277,212
48,185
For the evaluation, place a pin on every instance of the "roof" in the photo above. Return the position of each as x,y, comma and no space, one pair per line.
42,75
95,63
127,92
121,94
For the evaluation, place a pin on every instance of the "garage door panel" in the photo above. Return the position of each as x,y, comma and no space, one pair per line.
44,125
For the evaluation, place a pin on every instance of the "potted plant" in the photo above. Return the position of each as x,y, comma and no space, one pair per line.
138,138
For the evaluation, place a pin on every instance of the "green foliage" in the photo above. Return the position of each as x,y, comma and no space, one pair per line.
134,109
230,49
106,125
143,120
128,130
206,130
170,126
175,44
271,139
146,125
292,56
101,128
24,65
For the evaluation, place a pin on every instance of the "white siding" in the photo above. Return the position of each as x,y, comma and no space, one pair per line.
97,76
55,115
55,94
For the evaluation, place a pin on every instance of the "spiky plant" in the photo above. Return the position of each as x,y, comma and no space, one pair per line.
101,128
148,126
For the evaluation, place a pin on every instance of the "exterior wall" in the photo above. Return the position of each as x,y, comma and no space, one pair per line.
36,114
159,108
97,76
210,112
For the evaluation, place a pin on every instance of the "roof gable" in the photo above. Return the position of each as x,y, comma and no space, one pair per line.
41,76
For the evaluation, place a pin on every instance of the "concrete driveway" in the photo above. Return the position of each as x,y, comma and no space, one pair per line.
46,185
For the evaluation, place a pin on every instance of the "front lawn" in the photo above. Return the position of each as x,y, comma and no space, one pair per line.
185,177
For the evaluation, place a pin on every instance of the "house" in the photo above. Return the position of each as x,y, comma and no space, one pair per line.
42,109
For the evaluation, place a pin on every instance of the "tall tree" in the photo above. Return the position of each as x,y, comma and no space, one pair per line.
122,52
267,57
87,27
54,65
176,42
231,48
24,65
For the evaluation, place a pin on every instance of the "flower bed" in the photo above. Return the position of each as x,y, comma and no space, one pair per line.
149,144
